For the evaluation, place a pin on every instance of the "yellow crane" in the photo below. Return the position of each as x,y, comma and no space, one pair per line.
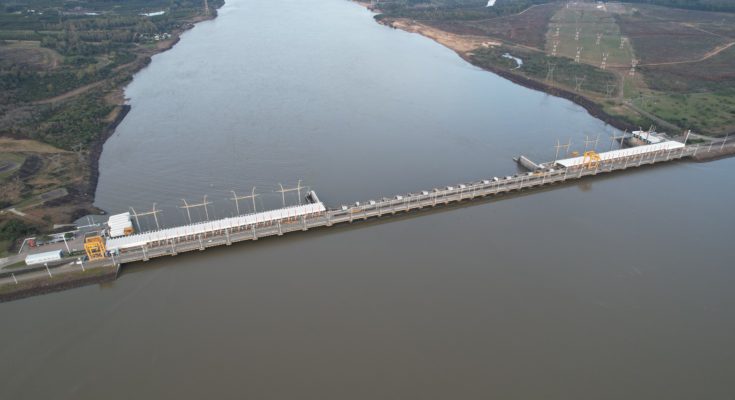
591,159
95,247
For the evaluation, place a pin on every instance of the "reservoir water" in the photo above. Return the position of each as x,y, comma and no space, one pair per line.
618,287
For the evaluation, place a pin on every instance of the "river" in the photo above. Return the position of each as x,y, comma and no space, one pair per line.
617,287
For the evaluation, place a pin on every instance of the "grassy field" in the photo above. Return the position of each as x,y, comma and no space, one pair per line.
28,54
687,70
566,73
9,163
702,112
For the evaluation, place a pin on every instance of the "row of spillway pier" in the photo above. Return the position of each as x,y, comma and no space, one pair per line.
547,174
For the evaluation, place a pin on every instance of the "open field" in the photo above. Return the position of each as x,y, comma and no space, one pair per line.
662,35
9,163
527,28
29,54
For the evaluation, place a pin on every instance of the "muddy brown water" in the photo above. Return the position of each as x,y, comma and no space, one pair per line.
617,287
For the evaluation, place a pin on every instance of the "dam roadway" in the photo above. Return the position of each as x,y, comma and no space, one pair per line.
402,204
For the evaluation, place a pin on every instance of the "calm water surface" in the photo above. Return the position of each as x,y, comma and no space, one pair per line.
619,287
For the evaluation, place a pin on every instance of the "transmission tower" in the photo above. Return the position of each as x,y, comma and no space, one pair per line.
204,204
623,40
550,72
555,48
614,138
579,82
237,199
609,89
559,146
153,212
79,150
599,38
578,56
284,191
603,65
633,64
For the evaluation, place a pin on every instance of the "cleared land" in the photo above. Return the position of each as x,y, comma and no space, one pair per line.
684,74
527,28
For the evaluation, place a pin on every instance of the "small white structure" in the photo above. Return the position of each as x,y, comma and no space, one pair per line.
648,137
153,14
42,258
120,225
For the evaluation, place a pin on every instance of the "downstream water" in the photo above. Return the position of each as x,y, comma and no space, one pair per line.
618,287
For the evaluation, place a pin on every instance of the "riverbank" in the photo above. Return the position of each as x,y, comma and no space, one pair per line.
606,93
42,280
81,120
464,45
117,98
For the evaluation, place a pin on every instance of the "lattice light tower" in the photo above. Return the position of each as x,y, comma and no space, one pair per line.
609,89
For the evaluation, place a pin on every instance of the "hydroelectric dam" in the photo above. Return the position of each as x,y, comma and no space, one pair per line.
200,236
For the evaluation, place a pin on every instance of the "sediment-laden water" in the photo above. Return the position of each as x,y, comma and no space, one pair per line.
618,287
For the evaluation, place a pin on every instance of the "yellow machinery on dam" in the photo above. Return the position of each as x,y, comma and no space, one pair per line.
94,246
591,159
